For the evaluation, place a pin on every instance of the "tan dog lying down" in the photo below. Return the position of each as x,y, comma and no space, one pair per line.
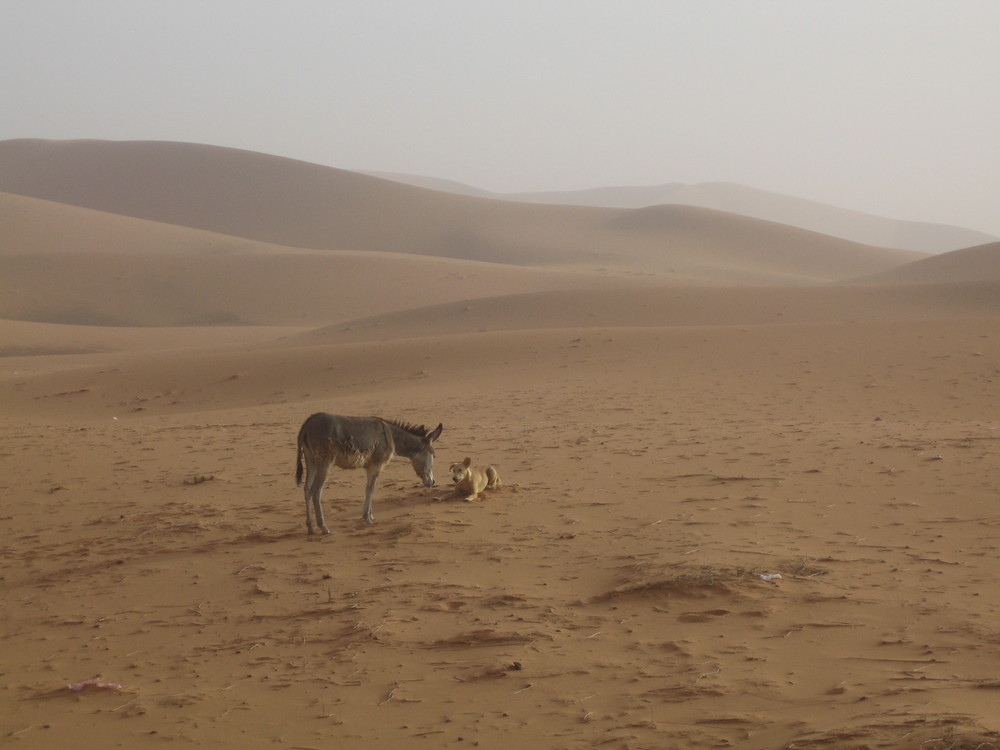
471,480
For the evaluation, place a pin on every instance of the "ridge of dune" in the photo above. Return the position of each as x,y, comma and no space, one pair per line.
856,226
440,184
30,226
60,263
226,190
971,264
287,202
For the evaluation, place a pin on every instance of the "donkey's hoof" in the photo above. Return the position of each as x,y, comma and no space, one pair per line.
326,530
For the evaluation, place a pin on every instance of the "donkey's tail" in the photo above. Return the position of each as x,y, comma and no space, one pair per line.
300,446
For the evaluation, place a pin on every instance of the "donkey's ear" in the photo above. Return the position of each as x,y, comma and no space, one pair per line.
436,434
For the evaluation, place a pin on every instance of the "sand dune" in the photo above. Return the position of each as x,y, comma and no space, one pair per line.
64,264
277,365
287,289
855,226
31,226
748,516
673,307
281,201
980,263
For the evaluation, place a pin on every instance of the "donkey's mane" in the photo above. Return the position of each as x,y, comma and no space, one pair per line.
419,430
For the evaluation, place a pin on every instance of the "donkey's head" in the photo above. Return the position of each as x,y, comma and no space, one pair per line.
423,459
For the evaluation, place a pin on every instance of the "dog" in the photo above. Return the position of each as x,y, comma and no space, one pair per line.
470,480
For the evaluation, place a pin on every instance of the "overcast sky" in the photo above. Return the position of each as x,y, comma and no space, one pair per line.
885,106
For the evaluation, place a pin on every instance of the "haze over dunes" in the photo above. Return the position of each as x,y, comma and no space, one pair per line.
282,201
739,199
750,472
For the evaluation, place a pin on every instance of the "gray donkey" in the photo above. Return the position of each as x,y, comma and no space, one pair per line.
367,443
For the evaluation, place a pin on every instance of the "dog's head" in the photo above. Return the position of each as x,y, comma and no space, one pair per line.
459,470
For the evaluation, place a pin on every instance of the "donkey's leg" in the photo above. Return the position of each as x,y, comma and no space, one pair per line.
366,513
319,479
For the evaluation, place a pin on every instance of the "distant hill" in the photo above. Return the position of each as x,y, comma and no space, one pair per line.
286,202
969,265
851,225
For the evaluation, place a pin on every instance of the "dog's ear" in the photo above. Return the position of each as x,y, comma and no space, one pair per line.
467,462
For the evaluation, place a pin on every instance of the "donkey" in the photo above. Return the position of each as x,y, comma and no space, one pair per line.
367,443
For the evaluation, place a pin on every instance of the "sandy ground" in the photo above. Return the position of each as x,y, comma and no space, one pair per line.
612,593
730,517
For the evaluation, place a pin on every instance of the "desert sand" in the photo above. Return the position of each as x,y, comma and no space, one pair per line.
750,492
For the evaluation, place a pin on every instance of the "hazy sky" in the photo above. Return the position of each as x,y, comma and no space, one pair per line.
885,106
